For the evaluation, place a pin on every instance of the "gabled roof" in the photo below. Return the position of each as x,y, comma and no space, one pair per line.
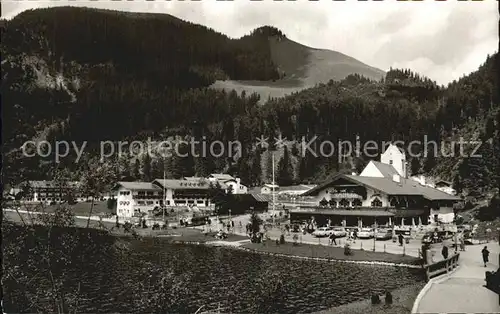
222,176
389,187
388,171
262,197
143,186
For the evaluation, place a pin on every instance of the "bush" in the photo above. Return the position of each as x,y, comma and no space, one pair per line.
282,239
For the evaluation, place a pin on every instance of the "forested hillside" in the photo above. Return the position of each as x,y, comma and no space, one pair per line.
94,75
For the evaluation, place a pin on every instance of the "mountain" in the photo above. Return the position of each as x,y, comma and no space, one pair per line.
300,67
87,76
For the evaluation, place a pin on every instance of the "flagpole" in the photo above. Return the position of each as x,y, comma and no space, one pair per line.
164,197
274,189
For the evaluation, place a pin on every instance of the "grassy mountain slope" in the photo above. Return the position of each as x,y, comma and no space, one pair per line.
301,67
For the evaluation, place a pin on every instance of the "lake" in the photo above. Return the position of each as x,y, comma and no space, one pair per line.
152,274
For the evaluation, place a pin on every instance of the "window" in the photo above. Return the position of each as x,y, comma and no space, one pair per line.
390,162
344,203
332,203
376,203
356,203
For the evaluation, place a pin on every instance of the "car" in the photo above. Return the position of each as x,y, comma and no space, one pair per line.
383,234
323,232
339,232
365,233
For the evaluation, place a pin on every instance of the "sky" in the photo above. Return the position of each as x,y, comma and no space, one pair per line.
441,40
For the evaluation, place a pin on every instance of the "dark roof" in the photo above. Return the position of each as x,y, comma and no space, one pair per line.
388,171
137,186
249,198
389,187
346,212
262,197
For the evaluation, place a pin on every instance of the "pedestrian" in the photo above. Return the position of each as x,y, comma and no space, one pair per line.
444,251
355,234
486,255
333,239
401,238
462,243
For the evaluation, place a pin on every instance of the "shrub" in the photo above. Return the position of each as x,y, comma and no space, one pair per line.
282,239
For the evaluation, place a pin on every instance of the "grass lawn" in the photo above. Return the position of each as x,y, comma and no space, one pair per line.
402,298
320,251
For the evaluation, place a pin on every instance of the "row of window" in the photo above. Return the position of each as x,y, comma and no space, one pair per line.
355,203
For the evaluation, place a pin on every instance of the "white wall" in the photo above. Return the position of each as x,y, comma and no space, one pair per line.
371,171
398,159
445,214
124,203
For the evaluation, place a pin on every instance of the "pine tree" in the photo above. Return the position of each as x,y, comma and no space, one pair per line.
244,171
146,168
256,171
285,171
415,166
136,170
158,168
124,167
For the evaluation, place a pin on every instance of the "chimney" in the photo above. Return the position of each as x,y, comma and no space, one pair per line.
396,178
354,173
422,179
238,180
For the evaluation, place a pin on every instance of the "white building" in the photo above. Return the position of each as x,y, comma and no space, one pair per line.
231,182
269,188
136,198
381,193
48,191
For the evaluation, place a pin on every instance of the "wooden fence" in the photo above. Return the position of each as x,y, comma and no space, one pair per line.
442,267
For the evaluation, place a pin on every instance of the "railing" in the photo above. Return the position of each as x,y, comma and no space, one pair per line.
442,267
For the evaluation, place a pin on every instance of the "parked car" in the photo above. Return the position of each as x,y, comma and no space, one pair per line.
428,238
323,232
339,232
365,233
383,234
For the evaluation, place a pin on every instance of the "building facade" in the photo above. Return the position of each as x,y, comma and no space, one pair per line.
380,194
232,183
134,199
49,192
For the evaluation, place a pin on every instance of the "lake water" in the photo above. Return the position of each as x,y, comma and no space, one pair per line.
195,276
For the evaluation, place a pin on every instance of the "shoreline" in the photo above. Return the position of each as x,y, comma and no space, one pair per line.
194,236
188,236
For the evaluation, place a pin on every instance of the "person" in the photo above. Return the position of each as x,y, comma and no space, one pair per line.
444,252
401,237
462,243
355,234
435,237
333,239
486,255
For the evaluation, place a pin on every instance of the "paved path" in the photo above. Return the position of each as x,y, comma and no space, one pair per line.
463,291
411,249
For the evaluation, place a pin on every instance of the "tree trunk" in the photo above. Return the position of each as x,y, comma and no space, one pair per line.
90,212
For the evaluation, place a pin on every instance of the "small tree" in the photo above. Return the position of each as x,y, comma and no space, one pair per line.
255,223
